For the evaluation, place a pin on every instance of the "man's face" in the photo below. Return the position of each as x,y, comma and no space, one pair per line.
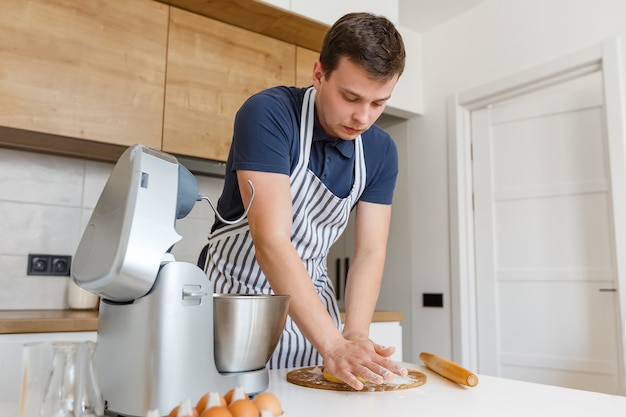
349,101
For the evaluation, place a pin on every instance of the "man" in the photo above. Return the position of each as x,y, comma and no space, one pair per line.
312,155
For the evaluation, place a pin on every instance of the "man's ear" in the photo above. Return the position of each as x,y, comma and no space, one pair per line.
318,74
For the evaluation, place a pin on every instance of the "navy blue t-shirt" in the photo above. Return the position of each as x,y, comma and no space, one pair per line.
267,138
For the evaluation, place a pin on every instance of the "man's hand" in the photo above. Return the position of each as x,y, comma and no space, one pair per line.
362,358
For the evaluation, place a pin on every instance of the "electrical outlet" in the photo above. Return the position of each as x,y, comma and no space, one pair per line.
49,264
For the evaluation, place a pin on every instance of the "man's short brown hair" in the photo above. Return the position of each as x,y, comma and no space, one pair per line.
365,39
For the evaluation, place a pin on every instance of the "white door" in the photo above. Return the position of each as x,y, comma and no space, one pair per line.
546,281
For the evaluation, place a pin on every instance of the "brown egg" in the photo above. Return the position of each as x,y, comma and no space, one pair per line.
266,401
236,393
218,411
204,402
243,408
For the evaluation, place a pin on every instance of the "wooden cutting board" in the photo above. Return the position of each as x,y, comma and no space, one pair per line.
313,377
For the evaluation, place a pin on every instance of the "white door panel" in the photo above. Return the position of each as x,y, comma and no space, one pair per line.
549,234
578,93
557,149
565,323
572,346
545,252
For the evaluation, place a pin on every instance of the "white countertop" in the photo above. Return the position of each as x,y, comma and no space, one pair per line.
441,397
437,397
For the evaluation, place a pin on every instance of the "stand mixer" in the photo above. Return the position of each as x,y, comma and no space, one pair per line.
157,342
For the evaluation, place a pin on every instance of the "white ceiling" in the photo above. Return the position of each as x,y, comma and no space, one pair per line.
422,15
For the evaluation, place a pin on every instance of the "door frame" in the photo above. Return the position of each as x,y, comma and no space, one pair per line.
604,57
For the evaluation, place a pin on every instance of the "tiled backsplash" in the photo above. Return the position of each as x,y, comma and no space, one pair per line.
45,203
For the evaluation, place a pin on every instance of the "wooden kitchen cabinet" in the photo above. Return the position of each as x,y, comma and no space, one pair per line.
88,78
212,68
84,69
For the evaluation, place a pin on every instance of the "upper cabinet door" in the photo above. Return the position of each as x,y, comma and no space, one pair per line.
212,68
81,69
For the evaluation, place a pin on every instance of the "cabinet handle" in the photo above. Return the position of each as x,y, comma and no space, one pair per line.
608,290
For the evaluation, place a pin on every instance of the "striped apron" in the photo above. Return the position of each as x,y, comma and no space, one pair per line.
319,218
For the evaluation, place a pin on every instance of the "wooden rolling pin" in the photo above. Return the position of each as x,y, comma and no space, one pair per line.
448,369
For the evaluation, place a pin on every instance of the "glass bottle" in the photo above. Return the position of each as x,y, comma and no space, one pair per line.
73,389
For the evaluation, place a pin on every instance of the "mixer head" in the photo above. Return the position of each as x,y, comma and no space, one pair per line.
131,230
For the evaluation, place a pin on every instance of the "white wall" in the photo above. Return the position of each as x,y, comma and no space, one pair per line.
495,39
45,204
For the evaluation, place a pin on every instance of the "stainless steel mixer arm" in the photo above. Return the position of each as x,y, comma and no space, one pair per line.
243,216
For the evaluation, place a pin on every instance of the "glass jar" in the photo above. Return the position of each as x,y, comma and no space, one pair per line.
73,389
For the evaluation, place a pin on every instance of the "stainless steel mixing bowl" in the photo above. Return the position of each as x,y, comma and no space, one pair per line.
247,328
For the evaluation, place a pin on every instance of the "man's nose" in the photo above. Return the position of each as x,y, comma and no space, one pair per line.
361,114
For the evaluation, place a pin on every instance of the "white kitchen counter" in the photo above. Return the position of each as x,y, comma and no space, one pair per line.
437,397
441,397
